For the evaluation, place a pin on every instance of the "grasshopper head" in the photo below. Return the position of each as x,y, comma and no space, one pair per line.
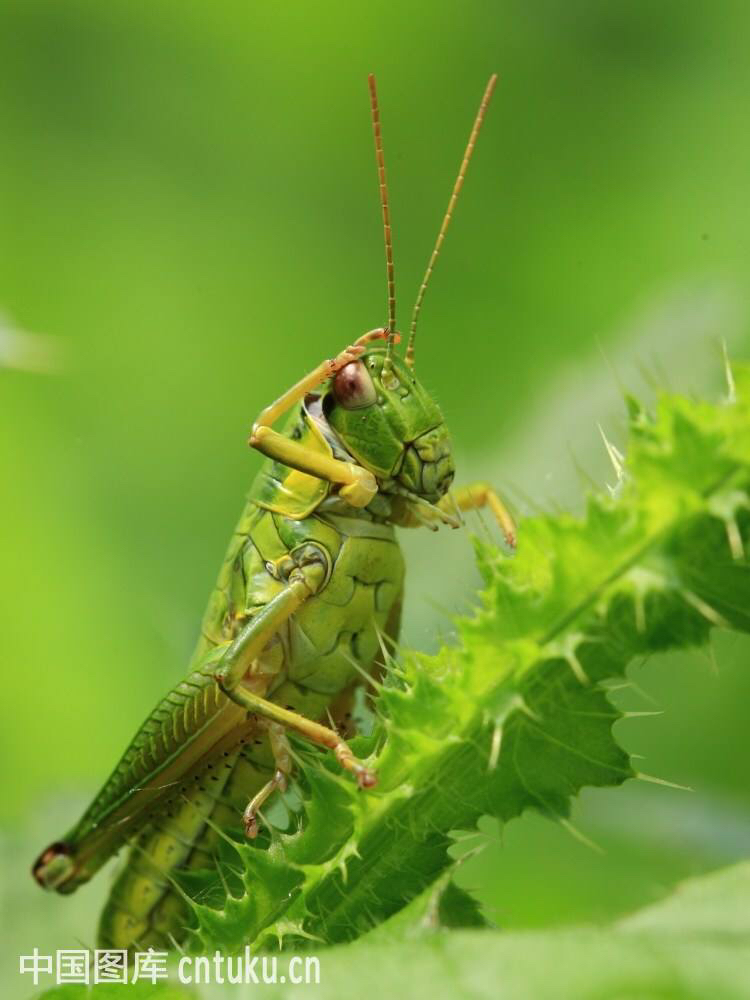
375,405
389,423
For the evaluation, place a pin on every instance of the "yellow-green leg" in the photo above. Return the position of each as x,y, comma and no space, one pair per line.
313,731
357,485
234,664
282,757
480,495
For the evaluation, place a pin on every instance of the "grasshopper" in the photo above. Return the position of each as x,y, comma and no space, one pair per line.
311,584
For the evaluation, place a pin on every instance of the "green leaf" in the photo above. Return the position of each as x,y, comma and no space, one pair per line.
692,946
441,906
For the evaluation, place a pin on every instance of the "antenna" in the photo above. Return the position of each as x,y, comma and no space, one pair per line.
449,214
380,160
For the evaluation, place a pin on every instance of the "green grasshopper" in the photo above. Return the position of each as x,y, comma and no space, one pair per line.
311,584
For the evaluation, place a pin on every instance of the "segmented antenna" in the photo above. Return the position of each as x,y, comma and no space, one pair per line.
448,215
380,160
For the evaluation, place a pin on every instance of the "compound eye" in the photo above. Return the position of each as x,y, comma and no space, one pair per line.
353,387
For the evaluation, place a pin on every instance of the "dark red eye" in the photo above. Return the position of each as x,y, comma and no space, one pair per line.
353,387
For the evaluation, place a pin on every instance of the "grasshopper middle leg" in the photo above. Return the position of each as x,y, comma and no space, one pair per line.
480,495
313,731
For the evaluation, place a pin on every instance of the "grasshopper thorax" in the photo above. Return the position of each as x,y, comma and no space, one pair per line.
389,423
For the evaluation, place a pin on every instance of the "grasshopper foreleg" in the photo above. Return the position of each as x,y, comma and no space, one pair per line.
356,485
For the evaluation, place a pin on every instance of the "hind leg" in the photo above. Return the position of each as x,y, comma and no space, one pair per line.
282,757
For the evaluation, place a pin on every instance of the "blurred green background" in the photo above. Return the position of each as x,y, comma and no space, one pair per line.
189,221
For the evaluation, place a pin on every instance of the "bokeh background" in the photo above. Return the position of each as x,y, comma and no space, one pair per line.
189,221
